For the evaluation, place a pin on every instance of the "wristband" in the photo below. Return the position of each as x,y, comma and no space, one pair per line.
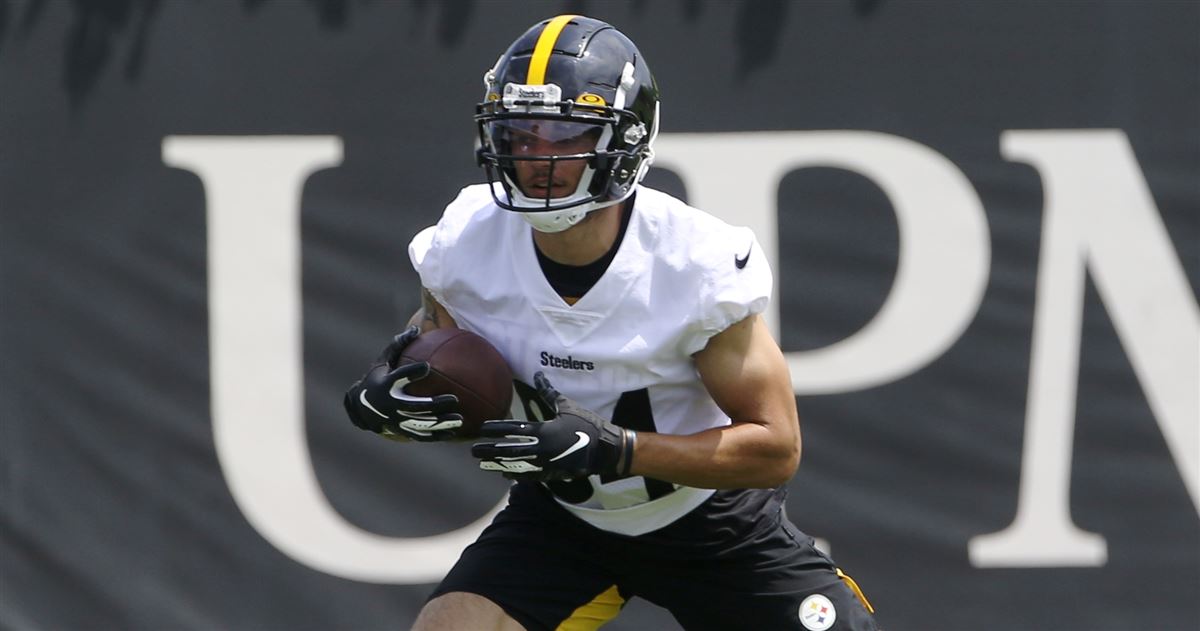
625,460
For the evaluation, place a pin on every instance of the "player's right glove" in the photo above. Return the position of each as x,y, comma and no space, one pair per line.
378,402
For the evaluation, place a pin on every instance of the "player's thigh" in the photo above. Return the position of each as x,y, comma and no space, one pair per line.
460,610
540,574
779,581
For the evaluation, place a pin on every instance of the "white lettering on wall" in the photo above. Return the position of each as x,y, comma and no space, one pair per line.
1099,215
253,187
944,245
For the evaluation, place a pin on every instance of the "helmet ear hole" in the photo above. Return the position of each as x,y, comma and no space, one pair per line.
600,162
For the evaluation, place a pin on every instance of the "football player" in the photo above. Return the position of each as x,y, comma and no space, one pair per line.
660,426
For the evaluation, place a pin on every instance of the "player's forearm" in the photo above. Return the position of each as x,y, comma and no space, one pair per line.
432,315
743,455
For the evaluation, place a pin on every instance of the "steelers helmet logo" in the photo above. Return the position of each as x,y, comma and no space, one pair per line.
587,98
817,613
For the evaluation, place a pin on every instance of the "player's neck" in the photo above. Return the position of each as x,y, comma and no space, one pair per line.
584,242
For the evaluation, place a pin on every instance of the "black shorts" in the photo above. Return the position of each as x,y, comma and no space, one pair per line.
716,568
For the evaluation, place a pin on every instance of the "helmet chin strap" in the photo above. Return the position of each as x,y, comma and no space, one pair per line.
555,220
558,220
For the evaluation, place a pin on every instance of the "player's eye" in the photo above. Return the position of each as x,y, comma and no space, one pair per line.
584,141
523,142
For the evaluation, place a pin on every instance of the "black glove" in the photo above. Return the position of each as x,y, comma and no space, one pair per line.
574,444
378,403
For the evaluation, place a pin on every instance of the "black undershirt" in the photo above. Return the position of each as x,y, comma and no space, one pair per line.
573,281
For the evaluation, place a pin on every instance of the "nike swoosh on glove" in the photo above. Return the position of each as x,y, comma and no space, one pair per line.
574,444
378,402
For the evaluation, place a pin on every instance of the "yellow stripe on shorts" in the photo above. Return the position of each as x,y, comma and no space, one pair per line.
854,588
603,608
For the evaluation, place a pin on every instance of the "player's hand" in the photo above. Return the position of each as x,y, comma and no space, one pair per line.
574,444
378,402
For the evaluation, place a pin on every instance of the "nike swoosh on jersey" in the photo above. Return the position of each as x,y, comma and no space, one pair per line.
741,262
582,442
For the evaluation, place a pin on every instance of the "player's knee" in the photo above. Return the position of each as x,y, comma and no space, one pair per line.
462,610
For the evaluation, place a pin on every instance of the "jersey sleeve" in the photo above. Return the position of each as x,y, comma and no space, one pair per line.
736,282
428,249
426,259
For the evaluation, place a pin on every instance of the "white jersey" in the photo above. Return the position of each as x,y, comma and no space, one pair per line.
679,277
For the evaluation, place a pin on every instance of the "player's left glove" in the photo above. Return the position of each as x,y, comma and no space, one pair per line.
574,444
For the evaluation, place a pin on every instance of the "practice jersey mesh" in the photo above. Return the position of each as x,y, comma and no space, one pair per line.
624,349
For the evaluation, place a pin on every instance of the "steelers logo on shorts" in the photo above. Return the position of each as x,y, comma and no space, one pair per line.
817,613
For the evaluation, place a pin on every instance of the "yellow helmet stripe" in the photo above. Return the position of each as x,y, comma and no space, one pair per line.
543,48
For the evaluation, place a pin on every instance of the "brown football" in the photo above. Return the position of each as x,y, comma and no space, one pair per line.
465,365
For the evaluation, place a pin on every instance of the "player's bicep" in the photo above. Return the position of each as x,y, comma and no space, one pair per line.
432,315
746,374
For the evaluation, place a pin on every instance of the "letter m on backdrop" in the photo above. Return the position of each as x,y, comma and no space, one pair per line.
1100,218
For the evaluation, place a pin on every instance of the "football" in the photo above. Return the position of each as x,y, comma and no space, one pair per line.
465,365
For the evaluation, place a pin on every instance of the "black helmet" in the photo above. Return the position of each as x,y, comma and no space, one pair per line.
569,77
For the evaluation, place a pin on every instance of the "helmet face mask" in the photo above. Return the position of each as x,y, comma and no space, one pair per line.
517,142
544,156
567,122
